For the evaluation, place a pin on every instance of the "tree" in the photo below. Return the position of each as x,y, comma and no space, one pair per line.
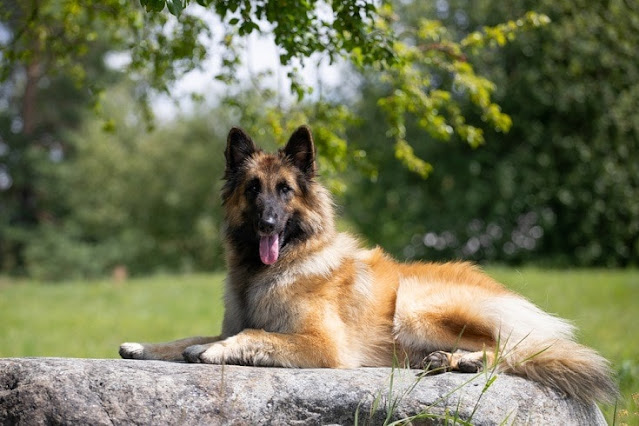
580,126
561,186
39,99
145,200
163,49
53,67
49,39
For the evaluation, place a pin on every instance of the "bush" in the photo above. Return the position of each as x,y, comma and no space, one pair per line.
146,201
561,187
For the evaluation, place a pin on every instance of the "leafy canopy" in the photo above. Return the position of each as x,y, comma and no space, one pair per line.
561,187
428,70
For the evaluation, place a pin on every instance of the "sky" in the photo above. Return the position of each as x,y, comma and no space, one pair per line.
260,54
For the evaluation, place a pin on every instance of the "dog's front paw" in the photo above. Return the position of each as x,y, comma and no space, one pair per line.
217,353
131,350
214,353
192,353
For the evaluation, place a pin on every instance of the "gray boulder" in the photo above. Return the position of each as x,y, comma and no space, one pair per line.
36,391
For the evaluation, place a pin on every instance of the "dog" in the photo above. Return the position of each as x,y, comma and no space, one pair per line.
300,294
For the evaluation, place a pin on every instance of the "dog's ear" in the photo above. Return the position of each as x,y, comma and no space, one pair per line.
301,150
239,146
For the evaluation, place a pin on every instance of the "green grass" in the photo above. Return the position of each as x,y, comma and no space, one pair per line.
90,320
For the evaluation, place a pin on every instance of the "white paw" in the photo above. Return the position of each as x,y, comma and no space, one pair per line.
131,350
228,351
214,353
217,353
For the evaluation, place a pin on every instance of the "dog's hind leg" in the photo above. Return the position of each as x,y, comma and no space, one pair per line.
432,321
169,351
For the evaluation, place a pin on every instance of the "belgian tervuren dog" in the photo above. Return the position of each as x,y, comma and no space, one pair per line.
300,294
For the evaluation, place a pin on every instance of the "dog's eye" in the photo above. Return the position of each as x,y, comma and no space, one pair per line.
284,188
253,187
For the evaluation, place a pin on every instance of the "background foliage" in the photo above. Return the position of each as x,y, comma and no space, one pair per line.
561,187
526,129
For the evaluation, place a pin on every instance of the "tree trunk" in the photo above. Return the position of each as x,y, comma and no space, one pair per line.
29,100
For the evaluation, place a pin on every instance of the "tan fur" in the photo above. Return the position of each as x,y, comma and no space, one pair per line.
331,303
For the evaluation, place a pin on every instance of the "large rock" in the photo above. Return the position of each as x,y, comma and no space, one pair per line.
99,392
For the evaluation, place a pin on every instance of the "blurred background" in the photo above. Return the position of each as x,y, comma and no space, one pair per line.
89,182
113,122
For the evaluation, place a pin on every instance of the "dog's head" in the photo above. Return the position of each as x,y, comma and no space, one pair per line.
268,197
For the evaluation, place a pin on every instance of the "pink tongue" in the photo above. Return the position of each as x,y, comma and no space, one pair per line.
269,249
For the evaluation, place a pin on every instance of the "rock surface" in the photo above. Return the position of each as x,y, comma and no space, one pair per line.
37,391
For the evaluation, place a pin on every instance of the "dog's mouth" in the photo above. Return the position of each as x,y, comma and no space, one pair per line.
272,242
269,248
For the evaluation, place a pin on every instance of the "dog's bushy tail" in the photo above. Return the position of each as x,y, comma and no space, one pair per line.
541,347
571,368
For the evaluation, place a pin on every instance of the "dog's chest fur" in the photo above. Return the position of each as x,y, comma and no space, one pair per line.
283,299
269,306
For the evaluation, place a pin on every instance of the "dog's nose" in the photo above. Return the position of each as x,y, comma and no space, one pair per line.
267,223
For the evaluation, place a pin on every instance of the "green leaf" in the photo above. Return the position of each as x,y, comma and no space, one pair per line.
109,126
155,5
175,7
